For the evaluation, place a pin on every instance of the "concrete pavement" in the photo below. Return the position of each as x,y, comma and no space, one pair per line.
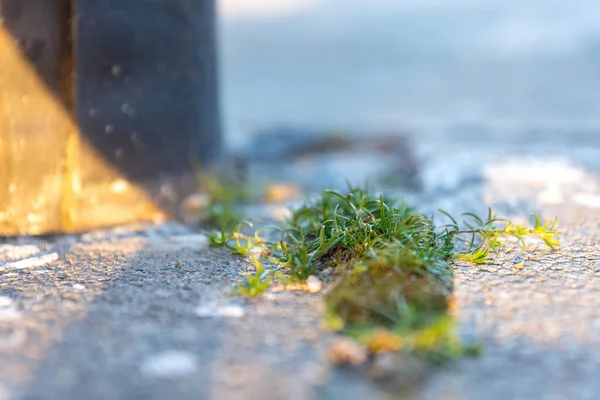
146,312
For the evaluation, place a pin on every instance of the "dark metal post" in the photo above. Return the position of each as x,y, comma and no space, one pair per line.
107,108
147,87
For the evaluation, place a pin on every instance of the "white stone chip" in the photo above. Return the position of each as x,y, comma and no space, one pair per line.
224,311
32,262
169,364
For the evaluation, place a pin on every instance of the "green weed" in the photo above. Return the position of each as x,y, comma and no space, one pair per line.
219,238
258,282
392,264
485,236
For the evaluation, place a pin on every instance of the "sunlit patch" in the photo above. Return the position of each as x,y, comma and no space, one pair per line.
551,195
587,199
279,193
119,186
51,179
540,171
548,181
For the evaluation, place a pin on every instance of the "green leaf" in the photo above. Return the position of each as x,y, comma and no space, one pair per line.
477,256
449,216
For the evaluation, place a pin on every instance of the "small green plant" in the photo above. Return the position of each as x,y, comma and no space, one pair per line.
219,238
490,237
245,245
258,282
392,264
225,196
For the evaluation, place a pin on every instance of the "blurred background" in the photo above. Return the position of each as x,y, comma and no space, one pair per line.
420,65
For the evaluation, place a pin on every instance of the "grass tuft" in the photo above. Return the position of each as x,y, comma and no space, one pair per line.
391,264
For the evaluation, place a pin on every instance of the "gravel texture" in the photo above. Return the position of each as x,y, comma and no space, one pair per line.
145,312
540,324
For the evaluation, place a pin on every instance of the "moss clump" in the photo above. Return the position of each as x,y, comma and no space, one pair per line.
396,301
389,290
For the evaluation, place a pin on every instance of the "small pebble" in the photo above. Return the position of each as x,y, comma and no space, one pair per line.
196,202
314,284
347,351
78,286
279,193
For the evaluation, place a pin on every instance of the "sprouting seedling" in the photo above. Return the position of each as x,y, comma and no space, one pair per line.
546,233
218,238
258,282
477,256
242,244
490,237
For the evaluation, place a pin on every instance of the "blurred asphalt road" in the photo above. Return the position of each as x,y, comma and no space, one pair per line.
425,65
